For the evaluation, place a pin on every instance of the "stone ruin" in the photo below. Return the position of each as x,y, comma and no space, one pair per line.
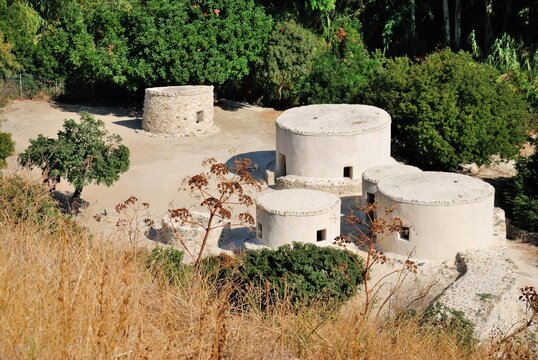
180,111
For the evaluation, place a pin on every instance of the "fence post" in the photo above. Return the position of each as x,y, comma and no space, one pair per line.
20,84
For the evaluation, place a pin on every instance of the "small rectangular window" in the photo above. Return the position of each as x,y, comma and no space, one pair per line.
348,172
321,235
260,231
370,198
404,233
199,116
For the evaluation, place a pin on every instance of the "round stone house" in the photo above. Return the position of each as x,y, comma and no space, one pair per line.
179,110
296,215
441,213
372,176
331,143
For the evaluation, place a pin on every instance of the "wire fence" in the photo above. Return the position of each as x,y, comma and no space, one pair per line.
29,86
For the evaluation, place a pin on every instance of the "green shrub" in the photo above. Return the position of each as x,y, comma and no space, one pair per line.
449,109
441,318
168,262
7,146
522,194
300,273
287,63
341,74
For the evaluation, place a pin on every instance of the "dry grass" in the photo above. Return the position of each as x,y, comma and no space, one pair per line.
64,294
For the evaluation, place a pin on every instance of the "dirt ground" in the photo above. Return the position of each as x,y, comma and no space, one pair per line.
158,165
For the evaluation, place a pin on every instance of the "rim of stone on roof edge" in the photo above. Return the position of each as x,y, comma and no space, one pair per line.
180,90
480,187
381,121
333,199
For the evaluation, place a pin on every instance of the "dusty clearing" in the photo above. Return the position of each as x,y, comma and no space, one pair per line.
158,165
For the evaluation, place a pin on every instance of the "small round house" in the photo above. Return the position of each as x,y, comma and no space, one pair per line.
179,110
372,176
331,143
441,214
300,215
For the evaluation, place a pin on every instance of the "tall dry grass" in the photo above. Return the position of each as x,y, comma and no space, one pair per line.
65,294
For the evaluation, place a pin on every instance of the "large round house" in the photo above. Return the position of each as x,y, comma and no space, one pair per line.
179,110
441,214
301,215
330,145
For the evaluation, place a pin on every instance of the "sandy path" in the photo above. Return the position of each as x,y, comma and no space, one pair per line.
157,165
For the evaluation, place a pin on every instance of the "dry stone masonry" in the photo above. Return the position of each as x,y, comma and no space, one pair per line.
179,110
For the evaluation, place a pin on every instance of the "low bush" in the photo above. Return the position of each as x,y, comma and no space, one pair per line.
522,194
439,317
299,273
167,262
7,146
448,109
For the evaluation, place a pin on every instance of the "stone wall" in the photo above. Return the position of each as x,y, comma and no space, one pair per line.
179,110
486,290
173,233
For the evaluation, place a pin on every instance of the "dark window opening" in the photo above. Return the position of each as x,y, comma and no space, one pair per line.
282,164
370,198
404,233
260,232
321,235
348,172
199,116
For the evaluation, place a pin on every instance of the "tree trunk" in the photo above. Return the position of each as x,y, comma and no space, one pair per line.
413,28
457,24
507,13
74,203
488,31
446,23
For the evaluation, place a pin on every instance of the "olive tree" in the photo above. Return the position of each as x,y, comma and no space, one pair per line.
84,153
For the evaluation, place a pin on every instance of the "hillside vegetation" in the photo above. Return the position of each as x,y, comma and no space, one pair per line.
67,294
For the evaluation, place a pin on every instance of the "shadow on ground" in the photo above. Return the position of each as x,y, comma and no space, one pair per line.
260,160
134,124
120,111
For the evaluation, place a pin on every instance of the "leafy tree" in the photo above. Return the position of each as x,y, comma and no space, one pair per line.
287,64
449,109
83,153
7,60
341,74
7,146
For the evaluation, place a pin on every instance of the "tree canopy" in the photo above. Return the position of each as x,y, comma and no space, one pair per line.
83,153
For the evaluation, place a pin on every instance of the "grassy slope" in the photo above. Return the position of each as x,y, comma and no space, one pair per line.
64,294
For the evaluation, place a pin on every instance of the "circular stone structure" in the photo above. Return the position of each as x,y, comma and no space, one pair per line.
179,110
332,141
372,176
301,215
441,213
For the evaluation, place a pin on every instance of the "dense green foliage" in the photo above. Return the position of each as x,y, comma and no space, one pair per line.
300,273
287,63
83,153
522,194
7,146
448,109
168,262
